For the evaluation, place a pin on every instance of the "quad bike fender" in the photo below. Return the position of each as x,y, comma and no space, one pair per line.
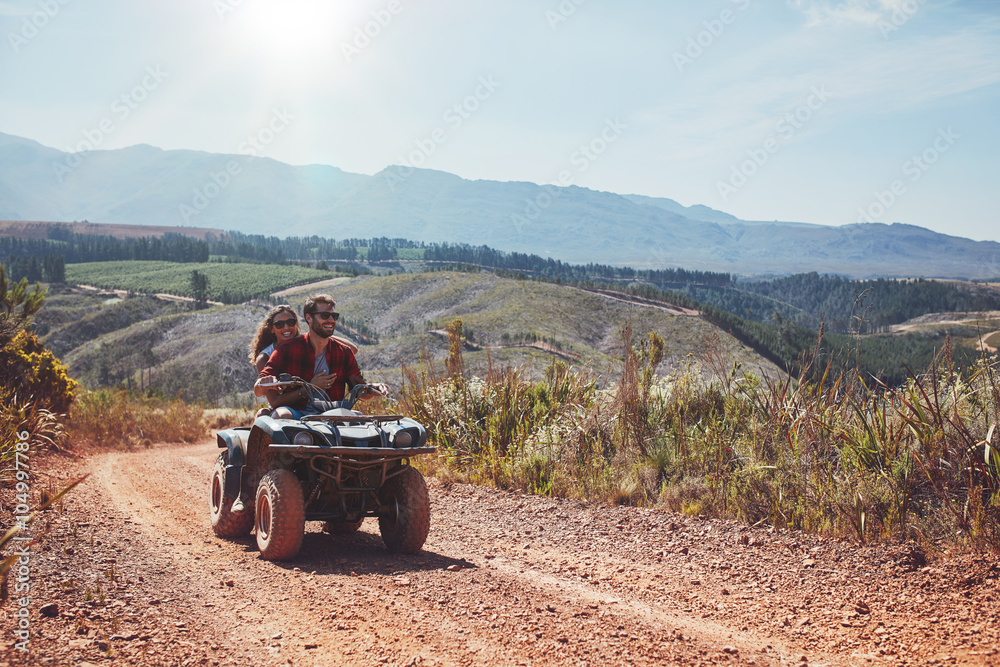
273,429
234,441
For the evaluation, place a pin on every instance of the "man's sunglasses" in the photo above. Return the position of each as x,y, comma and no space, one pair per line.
325,315
281,324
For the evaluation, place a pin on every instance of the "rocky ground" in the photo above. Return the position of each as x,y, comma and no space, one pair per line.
127,572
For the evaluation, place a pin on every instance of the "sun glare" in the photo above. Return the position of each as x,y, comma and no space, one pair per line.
299,33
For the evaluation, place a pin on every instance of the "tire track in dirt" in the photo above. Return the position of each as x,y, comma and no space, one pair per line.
475,595
504,579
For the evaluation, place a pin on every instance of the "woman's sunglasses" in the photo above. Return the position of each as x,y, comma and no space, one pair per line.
281,324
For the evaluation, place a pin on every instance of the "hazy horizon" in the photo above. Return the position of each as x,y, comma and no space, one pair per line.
806,111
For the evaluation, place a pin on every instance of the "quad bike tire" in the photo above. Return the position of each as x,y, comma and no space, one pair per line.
406,516
225,522
280,515
343,527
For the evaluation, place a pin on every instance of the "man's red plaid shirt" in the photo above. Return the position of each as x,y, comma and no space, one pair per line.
296,358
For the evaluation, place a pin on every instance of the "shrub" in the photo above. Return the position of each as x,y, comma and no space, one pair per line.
33,383
29,369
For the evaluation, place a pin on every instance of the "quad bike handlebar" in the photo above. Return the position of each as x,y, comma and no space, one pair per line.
357,391
360,390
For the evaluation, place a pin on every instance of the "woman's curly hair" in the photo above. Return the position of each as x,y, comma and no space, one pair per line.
264,335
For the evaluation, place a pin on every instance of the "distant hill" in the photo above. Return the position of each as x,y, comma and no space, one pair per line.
147,186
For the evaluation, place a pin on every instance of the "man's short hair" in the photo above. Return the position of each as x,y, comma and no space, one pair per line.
310,305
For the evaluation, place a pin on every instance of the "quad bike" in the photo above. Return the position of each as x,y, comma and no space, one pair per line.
338,466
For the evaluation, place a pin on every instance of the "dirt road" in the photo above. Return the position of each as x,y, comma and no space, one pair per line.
136,577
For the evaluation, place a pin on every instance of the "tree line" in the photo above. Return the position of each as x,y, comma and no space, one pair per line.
553,268
79,248
863,306
778,318
273,250
48,269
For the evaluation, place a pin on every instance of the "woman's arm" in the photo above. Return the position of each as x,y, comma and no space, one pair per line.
261,362
277,398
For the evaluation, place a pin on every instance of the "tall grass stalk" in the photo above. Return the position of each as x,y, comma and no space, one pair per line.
20,414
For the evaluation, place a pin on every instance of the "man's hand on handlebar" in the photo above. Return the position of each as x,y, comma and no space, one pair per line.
370,391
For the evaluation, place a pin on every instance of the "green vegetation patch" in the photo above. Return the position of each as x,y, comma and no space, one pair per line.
506,314
229,283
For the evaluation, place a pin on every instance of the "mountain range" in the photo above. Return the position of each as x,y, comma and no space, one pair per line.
256,195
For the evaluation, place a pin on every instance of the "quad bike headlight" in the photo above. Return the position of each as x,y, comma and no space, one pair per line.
402,439
302,438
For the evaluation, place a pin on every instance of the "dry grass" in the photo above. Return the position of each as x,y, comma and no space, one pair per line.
118,419
216,419
920,461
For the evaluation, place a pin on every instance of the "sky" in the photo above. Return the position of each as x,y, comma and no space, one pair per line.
820,111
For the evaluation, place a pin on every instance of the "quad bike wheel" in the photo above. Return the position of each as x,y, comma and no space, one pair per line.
225,522
406,516
343,527
280,515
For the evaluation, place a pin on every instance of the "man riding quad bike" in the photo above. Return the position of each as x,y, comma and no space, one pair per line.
335,465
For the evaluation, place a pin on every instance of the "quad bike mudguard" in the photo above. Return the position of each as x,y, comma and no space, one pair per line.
235,440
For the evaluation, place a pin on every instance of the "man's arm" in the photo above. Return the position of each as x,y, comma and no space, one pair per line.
354,378
259,390
280,396
352,371
275,365
379,389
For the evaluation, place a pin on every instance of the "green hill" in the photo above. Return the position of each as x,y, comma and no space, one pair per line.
149,344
